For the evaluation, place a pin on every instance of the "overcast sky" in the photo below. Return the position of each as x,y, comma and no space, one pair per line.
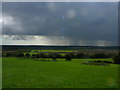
66,23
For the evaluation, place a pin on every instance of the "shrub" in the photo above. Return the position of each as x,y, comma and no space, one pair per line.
37,55
29,51
99,55
42,55
8,54
110,55
68,57
13,54
116,59
3,54
51,55
80,55
27,55
57,55
20,55
72,55
33,56
54,58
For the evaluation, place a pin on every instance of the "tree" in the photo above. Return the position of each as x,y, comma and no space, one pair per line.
68,57
37,55
33,56
80,55
49,55
99,55
42,55
8,54
72,55
13,54
54,58
3,54
27,55
57,55
20,55
116,59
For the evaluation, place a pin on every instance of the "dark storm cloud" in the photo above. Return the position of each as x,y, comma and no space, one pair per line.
85,21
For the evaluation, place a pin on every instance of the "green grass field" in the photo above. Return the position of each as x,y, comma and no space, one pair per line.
55,50
30,73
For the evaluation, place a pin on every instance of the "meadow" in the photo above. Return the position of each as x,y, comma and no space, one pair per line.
32,73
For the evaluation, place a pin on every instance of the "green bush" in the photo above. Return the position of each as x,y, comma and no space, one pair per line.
68,57
8,54
33,56
57,55
3,55
27,55
37,55
42,55
20,55
116,59
54,58
80,55
99,55
72,55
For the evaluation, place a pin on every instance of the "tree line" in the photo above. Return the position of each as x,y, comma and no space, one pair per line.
67,56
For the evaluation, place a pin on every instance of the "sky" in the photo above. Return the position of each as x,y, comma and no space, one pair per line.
60,23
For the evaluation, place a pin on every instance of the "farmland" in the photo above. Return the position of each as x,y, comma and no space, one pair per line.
59,68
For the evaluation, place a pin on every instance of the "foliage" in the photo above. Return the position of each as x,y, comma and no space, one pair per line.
54,58
8,54
99,55
20,55
51,55
68,57
116,59
27,55
33,56
3,54
37,55
72,55
42,55
81,55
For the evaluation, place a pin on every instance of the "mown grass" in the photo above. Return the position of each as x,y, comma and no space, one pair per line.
29,73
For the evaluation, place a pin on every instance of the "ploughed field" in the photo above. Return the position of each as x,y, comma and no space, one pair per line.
21,72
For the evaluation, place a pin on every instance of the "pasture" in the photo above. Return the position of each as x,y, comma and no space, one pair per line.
33,73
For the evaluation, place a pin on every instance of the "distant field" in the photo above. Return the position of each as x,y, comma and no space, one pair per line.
55,50
81,50
31,73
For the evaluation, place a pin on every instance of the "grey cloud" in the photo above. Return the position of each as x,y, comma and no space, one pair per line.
37,40
49,40
76,21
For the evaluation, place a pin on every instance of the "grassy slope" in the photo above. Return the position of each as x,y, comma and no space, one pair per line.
22,73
